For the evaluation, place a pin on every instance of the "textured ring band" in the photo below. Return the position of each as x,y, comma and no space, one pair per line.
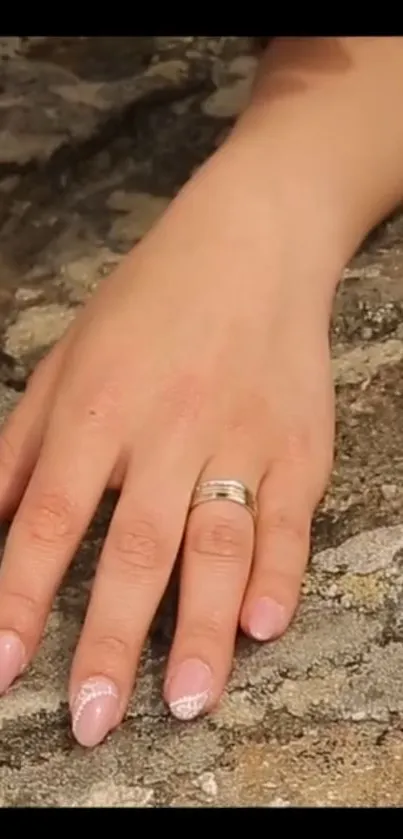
225,490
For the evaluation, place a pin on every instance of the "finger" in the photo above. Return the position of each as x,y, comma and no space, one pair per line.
22,433
216,563
134,569
58,504
286,505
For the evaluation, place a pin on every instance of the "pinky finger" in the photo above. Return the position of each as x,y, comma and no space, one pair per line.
282,544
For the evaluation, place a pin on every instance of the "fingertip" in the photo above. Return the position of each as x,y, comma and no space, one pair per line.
188,689
265,619
94,711
12,658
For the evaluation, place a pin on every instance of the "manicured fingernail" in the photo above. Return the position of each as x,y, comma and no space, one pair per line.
94,711
12,656
189,689
267,619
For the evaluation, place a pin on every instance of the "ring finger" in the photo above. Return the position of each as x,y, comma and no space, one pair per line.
217,559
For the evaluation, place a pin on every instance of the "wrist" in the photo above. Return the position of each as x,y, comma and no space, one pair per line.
324,229
326,138
282,243
291,214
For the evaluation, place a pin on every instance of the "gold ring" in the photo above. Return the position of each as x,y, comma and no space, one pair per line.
222,490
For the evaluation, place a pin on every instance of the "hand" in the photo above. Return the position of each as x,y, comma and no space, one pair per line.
204,356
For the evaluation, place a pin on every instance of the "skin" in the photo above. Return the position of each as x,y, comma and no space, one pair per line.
205,355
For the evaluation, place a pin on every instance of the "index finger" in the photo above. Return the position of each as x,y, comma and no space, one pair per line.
59,502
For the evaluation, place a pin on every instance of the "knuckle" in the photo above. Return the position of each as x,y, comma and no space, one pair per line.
298,445
281,522
50,518
110,650
252,416
185,396
205,630
220,538
24,609
284,583
98,405
135,547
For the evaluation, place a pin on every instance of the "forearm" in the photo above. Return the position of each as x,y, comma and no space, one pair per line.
325,134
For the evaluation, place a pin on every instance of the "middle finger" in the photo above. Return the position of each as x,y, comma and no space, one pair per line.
135,565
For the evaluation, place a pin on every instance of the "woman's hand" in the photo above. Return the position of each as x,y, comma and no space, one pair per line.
204,356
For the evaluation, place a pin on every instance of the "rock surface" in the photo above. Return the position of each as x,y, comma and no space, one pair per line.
95,138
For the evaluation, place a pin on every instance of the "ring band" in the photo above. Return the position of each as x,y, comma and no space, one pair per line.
225,490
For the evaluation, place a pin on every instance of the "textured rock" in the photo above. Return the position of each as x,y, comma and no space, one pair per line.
315,719
141,211
37,327
60,90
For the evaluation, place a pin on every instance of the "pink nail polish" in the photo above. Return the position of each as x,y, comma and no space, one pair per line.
267,619
94,711
12,656
189,689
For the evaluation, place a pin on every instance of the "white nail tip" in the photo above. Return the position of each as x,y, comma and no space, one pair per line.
188,707
88,692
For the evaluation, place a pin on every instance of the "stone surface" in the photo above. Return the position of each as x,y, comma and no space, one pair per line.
315,719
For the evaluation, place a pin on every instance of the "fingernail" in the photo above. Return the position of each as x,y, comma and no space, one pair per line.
12,656
267,619
94,711
189,689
